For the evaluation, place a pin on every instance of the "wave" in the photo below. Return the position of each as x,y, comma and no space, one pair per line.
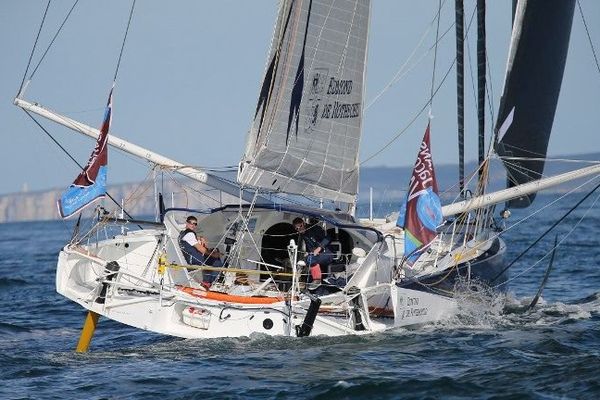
11,282
7,328
480,307
591,299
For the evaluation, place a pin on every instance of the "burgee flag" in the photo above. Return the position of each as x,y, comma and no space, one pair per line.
90,185
421,214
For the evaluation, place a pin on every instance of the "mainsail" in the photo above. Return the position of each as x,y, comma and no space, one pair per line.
90,184
537,56
306,131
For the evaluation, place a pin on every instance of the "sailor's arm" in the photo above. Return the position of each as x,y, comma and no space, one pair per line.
203,248
201,245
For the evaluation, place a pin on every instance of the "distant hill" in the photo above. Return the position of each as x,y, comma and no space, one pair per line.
388,183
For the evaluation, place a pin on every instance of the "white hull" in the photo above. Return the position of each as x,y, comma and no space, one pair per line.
145,304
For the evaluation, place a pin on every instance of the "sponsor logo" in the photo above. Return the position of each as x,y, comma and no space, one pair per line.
412,308
314,104
320,106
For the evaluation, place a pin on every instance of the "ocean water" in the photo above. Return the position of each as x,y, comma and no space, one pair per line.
492,349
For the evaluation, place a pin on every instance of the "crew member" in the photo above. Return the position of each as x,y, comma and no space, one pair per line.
318,253
196,251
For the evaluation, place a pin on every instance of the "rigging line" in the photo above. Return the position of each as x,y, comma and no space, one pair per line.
490,97
528,217
554,247
138,191
516,167
570,192
53,139
472,176
70,156
124,39
399,75
425,106
435,51
186,188
469,54
588,35
417,115
33,49
545,206
530,173
53,39
546,232
273,194
514,147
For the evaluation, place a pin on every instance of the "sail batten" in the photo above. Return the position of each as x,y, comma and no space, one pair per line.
307,126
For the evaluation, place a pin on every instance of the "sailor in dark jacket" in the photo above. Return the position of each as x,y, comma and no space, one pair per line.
316,241
196,251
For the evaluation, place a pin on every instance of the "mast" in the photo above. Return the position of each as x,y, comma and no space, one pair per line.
481,59
460,92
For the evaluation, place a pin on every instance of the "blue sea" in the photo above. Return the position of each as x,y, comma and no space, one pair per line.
492,349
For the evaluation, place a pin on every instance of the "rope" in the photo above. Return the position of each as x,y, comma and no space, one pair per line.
418,114
124,39
554,247
437,33
546,232
53,39
69,155
34,46
588,35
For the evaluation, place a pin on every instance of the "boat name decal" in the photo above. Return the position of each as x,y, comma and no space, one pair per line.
413,309
414,312
339,86
320,107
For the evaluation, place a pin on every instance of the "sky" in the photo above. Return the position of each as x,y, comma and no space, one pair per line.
191,73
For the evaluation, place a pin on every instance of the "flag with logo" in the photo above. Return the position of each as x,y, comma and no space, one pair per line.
90,184
421,214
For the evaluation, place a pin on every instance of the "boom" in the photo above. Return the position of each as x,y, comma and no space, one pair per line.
196,174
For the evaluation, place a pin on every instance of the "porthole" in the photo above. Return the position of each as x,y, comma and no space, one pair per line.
268,323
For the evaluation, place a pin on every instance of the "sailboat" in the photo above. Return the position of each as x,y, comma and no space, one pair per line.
301,161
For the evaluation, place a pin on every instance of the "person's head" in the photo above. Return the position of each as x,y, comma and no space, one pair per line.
298,224
191,223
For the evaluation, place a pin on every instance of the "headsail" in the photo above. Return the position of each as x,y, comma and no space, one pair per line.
539,45
90,184
423,207
306,131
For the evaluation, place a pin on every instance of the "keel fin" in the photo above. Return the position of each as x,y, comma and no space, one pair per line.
87,332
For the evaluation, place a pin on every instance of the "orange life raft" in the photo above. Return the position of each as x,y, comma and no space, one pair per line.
230,298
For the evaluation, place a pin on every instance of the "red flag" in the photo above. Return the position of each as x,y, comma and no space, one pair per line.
423,206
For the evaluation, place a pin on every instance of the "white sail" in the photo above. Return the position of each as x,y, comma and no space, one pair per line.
307,126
